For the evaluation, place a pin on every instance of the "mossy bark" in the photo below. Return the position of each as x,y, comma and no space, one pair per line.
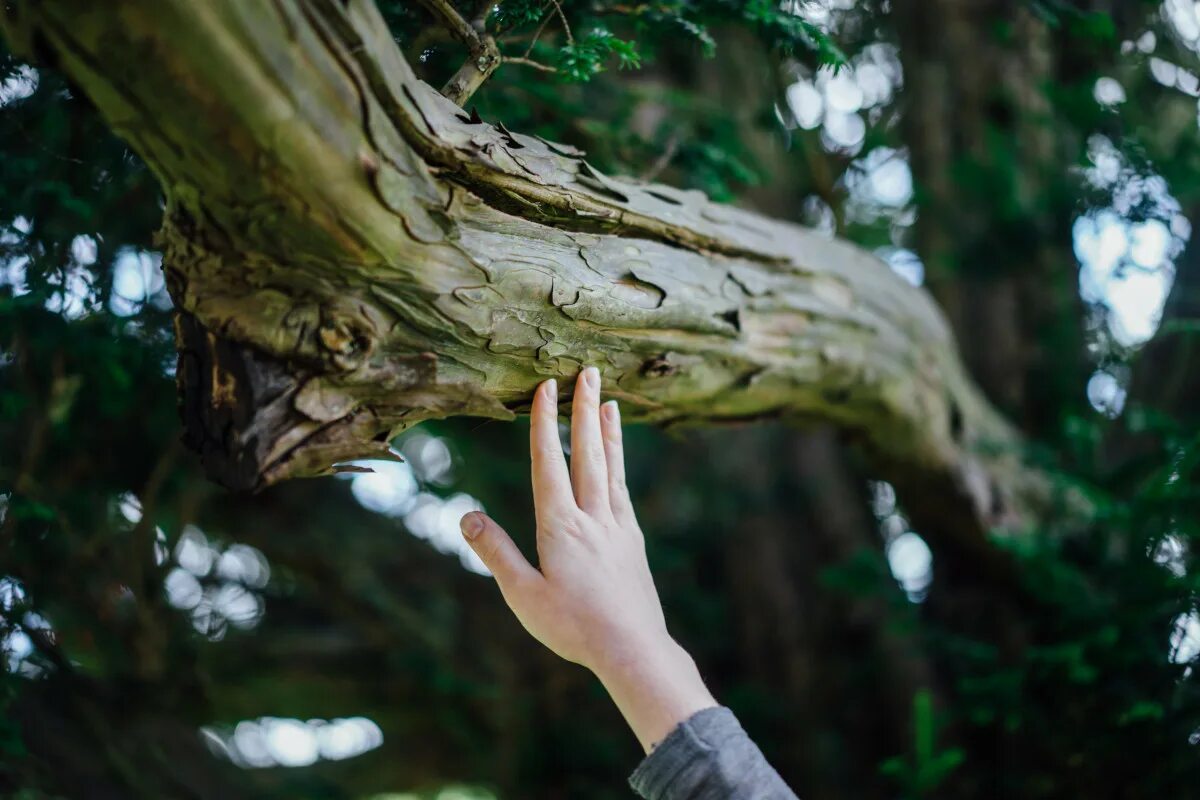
351,253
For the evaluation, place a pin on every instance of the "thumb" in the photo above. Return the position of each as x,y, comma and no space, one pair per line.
497,552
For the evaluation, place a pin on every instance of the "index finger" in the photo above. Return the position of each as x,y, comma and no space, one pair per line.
552,493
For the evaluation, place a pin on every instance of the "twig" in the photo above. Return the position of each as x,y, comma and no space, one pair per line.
529,62
482,12
449,17
538,33
483,53
566,25
664,160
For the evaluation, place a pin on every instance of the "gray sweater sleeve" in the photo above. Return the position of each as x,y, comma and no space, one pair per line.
708,757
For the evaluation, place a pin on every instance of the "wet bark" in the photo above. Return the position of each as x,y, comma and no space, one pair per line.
351,253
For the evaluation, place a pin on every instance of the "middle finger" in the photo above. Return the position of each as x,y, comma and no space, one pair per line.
589,471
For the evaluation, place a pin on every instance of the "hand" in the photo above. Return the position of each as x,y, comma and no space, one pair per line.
593,600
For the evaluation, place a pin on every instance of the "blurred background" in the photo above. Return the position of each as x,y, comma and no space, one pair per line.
1033,165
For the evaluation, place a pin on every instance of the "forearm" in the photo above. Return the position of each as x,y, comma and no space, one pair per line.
697,750
655,688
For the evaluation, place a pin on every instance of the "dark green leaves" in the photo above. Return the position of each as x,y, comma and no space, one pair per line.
583,58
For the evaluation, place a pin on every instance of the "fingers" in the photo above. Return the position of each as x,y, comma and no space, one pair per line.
498,553
614,457
589,472
551,484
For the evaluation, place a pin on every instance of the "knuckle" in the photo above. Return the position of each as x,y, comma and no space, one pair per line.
548,449
572,525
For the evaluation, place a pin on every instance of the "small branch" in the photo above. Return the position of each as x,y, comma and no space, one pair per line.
483,54
538,33
472,74
529,62
664,160
563,17
482,12
449,17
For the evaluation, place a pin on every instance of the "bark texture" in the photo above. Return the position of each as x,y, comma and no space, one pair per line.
351,253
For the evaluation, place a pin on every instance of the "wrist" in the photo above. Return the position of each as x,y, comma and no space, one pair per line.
656,687
618,657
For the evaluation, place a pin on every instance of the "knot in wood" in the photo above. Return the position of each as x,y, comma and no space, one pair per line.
346,343
658,367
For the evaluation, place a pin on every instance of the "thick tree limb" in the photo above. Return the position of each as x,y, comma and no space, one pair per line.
351,254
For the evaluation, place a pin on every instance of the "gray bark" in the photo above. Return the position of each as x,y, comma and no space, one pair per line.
350,254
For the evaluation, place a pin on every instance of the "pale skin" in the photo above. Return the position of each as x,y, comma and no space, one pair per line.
591,599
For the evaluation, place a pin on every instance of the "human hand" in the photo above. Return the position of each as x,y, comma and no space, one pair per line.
593,599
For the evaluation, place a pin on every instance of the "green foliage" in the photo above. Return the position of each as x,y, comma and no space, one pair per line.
1062,683
790,32
512,14
693,19
580,60
1091,24
928,767
572,98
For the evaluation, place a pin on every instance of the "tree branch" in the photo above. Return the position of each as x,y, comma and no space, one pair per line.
529,62
537,34
351,254
566,25
483,54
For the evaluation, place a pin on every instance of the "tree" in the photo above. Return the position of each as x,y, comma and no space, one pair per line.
351,254
132,590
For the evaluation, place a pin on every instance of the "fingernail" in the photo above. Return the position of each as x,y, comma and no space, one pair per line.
611,411
592,376
471,524
552,390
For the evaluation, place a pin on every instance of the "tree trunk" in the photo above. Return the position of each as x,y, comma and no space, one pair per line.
991,153
350,254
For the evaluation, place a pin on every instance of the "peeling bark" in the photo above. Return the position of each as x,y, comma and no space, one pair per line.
351,254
